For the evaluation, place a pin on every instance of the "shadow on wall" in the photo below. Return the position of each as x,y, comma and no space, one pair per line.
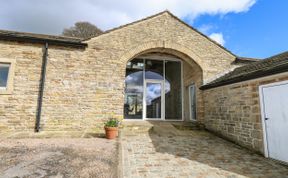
202,147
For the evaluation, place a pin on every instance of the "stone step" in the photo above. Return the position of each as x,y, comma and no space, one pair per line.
158,127
136,127
189,126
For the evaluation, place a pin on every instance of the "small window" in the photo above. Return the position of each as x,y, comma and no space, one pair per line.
4,73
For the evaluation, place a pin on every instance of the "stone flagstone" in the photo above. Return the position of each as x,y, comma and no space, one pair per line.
193,153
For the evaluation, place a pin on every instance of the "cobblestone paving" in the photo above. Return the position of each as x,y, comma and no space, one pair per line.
192,154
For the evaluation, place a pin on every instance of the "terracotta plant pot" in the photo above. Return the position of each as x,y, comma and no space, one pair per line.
111,132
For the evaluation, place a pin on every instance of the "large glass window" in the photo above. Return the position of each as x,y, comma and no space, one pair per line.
154,69
133,105
153,100
4,71
192,101
173,90
163,91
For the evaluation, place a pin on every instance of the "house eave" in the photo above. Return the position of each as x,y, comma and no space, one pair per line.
43,41
254,75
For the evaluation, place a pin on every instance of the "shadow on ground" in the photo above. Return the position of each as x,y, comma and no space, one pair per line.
201,150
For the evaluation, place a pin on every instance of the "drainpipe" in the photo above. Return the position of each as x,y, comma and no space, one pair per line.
41,87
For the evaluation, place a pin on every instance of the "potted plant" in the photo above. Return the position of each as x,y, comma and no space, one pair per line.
111,128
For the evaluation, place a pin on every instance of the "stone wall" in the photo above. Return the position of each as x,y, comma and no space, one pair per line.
233,111
161,33
86,86
18,110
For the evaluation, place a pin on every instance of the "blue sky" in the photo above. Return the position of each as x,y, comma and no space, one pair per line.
249,28
260,32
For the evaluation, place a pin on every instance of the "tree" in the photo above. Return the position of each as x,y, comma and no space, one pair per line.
82,30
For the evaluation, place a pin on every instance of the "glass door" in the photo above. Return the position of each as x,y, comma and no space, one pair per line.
154,100
192,102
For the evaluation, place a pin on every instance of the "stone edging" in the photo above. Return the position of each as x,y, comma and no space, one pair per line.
120,156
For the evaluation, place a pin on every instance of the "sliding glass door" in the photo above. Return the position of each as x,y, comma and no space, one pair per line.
154,100
153,90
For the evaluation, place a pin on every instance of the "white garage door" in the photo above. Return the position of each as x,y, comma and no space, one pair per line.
275,119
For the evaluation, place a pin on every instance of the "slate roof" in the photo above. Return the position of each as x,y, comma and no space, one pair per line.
41,38
245,60
269,66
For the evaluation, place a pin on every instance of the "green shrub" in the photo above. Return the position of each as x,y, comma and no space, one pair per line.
112,123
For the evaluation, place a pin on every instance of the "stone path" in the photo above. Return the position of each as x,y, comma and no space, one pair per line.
168,152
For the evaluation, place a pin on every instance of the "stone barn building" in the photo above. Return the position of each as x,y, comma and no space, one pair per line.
158,68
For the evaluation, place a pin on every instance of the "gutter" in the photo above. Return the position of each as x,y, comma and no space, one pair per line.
41,87
40,40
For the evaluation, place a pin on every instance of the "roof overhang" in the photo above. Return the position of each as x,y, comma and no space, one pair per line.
250,76
32,38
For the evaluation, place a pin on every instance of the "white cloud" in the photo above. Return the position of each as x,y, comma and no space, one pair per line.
206,28
129,10
51,16
218,37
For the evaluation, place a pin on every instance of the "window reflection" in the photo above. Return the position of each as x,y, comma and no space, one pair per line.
4,70
173,90
153,100
153,69
137,72
133,104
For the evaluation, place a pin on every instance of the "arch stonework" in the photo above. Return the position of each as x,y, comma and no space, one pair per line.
168,45
192,62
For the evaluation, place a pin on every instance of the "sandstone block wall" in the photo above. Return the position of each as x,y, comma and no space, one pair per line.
18,110
86,86
233,111
159,34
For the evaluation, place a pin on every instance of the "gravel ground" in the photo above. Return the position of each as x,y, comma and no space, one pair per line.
93,157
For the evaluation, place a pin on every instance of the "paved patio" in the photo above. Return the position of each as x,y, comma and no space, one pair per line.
165,151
